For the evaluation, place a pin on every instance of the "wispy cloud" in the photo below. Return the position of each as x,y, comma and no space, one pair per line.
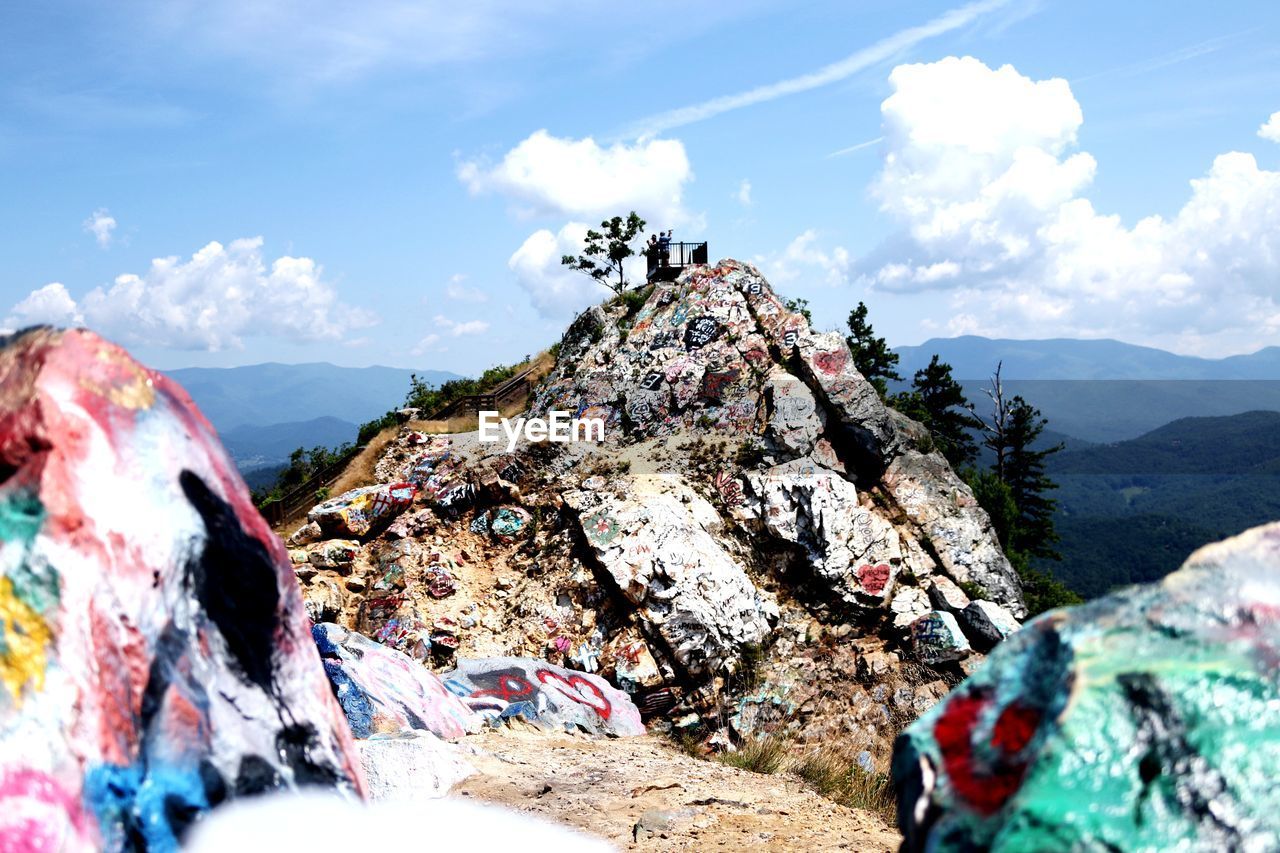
865,58
859,147
1165,60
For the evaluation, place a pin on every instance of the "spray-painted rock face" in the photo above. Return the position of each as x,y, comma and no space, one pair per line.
154,655
1147,720
543,694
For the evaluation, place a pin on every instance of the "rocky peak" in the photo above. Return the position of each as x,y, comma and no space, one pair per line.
758,542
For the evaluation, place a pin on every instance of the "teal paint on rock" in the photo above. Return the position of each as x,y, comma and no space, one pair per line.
1147,720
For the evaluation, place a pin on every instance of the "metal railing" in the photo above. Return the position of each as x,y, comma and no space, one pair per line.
666,262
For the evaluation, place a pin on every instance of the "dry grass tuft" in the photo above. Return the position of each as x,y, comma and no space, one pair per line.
831,773
759,755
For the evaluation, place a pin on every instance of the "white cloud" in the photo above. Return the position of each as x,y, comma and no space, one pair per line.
51,305
1270,130
580,178
458,329
430,343
556,291
743,195
212,301
458,291
860,60
101,225
982,173
803,255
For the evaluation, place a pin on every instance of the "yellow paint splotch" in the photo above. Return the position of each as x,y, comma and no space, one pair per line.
24,641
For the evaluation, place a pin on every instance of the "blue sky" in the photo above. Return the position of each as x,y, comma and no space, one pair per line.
392,185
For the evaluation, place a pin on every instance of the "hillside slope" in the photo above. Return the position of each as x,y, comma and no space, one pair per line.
1132,511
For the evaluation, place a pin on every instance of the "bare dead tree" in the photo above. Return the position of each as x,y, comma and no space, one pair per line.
996,430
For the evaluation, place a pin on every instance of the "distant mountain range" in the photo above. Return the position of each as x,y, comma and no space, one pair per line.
257,446
267,394
263,412
973,357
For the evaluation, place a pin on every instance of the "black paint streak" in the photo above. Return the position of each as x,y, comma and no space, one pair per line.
255,776
1171,768
295,744
235,581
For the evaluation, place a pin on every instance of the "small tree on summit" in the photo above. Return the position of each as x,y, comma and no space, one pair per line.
605,251
871,355
937,400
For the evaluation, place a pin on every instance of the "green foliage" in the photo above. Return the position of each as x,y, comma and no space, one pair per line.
369,429
1024,474
1041,590
801,307
937,400
430,399
605,251
871,355
633,301
303,465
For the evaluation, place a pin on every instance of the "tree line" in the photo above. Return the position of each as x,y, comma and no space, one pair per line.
1014,489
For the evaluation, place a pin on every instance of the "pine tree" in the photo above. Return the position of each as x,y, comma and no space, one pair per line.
871,355
1014,491
1024,474
937,400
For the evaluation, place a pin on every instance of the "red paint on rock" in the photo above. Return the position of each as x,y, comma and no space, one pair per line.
984,785
874,578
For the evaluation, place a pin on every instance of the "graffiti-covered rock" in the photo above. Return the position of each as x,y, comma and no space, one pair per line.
359,511
154,654
384,691
661,555
857,552
1146,720
543,694
937,638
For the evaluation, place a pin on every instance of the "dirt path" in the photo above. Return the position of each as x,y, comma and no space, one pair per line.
643,794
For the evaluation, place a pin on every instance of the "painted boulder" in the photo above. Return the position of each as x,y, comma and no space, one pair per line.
1146,720
384,691
154,658
361,511
545,695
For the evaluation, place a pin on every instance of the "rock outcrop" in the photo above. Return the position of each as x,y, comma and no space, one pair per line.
155,659
1146,720
758,539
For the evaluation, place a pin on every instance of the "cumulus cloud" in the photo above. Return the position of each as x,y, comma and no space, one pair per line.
1271,128
458,329
743,195
212,301
982,173
50,305
102,226
581,179
557,292
458,291
803,257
